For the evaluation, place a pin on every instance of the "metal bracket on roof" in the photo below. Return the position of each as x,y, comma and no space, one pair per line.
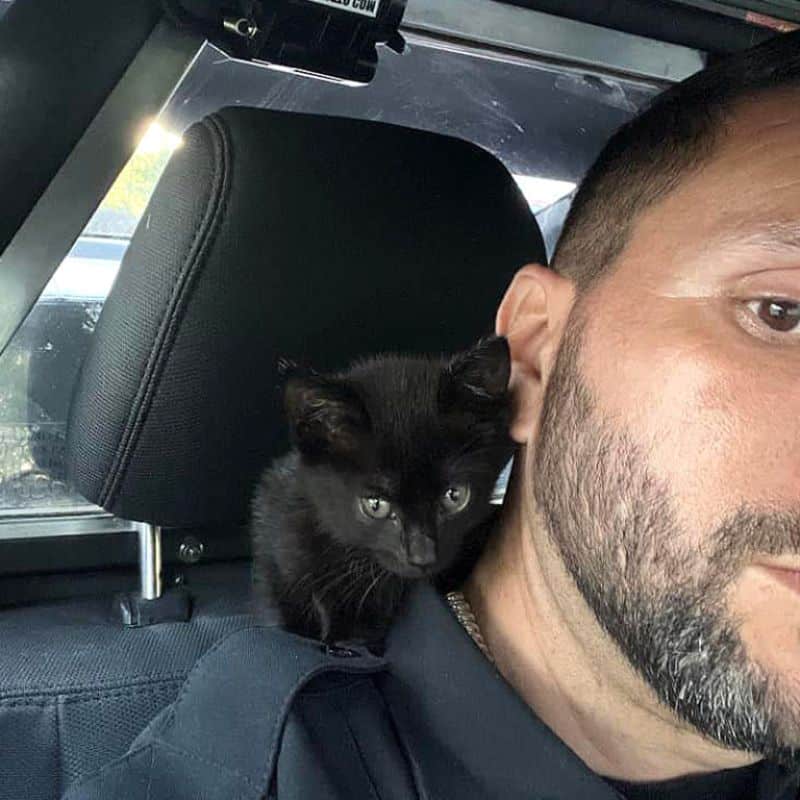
331,39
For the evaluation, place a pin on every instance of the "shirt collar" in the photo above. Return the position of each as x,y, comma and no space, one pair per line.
468,734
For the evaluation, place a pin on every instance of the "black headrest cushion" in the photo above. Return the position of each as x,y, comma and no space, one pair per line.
276,235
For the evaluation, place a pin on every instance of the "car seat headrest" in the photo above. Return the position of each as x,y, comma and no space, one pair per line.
276,235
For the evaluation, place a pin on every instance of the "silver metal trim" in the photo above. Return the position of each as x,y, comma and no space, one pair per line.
62,211
556,38
149,560
56,526
781,10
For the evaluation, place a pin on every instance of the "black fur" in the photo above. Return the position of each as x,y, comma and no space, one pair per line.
400,428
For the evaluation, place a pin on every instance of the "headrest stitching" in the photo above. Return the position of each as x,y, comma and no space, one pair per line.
167,330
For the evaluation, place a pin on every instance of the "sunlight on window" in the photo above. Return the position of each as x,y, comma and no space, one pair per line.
38,370
542,192
125,202
157,139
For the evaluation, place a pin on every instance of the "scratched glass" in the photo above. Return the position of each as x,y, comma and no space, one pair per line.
545,122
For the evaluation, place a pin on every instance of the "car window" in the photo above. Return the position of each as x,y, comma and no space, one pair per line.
40,365
545,122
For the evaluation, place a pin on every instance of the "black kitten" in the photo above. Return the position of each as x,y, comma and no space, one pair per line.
389,480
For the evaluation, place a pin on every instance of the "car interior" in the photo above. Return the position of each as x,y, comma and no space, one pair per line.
195,191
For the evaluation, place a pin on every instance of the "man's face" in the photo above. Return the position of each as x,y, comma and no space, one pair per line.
667,464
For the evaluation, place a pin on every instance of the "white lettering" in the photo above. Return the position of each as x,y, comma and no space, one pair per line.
367,8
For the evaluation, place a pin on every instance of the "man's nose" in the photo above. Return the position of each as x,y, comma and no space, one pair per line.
421,549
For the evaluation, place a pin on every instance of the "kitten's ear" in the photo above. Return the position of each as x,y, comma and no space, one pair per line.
327,418
479,376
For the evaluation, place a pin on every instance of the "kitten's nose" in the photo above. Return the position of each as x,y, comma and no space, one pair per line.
421,550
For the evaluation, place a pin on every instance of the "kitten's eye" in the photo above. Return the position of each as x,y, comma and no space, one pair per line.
375,507
455,498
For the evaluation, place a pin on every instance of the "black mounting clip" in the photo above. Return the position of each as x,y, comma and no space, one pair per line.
332,39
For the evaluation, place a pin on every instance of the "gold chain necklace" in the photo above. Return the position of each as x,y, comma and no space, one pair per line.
466,616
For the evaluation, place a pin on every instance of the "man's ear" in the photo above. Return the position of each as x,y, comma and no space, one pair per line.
326,418
532,317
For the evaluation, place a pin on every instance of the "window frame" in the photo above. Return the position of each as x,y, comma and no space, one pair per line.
502,32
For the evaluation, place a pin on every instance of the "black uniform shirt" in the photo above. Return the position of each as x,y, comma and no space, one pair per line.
729,784
455,707
265,714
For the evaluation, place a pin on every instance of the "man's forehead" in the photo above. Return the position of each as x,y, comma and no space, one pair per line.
774,111
755,166
745,196
760,138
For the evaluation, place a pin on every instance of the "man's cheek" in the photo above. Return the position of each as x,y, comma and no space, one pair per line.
747,430
711,438
713,413
658,393
769,614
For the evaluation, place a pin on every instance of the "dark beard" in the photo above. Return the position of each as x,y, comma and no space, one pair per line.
658,598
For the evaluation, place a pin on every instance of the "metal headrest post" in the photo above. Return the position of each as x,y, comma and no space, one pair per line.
149,560
151,605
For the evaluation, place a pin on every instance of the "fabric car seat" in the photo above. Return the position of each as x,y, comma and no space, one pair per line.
270,235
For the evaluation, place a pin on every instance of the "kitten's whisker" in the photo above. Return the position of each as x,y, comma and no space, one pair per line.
366,594
357,582
315,582
335,582
356,565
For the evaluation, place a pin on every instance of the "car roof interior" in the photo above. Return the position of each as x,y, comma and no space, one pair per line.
296,218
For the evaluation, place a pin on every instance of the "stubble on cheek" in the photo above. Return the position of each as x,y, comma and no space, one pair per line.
768,616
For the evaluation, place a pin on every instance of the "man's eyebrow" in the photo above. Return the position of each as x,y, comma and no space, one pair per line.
777,236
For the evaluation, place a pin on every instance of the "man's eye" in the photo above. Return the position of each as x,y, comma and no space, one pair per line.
779,315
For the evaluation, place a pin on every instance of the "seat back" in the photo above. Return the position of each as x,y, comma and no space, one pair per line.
275,235
269,235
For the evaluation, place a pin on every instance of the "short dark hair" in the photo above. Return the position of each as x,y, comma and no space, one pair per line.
648,156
